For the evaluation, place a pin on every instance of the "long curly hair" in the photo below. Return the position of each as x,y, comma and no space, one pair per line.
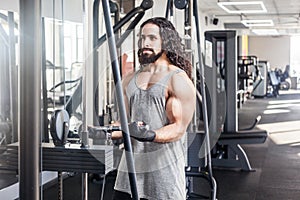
171,43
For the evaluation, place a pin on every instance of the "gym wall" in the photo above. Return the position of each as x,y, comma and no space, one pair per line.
276,50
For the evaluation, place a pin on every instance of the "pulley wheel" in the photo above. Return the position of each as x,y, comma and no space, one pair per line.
59,127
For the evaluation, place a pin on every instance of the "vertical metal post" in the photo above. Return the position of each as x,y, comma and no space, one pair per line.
84,186
60,185
13,77
30,98
45,133
204,100
95,60
62,51
120,99
84,133
169,9
231,121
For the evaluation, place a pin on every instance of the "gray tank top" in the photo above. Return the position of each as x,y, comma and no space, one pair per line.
159,166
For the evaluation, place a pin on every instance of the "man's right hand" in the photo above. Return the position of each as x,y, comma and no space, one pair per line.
95,133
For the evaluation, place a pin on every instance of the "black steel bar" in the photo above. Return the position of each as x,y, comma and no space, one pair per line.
30,96
145,5
13,78
84,186
169,9
129,29
204,101
45,133
60,185
75,100
95,59
62,50
121,23
120,100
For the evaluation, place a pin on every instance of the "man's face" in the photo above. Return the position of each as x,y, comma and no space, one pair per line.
150,44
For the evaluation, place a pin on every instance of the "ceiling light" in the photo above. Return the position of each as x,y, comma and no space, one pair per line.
243,7
265,31
258,22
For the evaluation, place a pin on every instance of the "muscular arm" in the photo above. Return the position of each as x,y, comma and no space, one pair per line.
180,108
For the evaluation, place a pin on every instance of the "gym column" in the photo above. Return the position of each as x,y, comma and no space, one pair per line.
30,99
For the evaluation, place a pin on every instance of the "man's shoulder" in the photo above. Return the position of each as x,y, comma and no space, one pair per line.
128,76
174,69
180,80
177,72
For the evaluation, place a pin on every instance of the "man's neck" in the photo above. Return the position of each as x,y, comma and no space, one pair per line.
159,65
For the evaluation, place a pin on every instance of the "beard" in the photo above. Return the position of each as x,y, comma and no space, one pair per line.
145,58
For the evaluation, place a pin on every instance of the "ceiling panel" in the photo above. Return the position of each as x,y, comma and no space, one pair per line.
284,13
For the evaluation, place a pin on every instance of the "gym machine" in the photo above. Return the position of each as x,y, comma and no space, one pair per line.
260,83
278,80
59,125
133,17
247,70
57,156
228,152
202,86
284,78
75,99
273,84
198,140
113,45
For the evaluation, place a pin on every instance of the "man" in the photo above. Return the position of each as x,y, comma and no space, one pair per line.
160,102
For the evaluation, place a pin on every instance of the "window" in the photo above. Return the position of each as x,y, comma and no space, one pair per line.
294,56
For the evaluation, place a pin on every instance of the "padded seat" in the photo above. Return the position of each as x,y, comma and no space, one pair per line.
244,137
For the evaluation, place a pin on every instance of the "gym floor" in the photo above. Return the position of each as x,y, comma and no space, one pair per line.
276,162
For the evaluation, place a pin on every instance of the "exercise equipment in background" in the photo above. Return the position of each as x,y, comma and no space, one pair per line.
228,152
260,83
199,143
